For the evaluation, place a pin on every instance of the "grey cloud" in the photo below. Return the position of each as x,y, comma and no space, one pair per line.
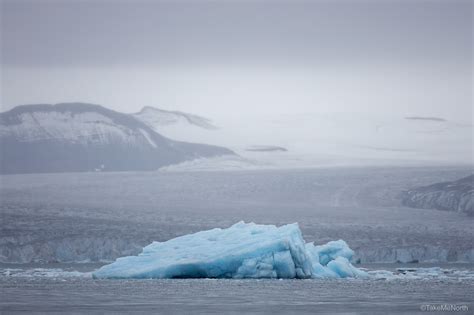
99,33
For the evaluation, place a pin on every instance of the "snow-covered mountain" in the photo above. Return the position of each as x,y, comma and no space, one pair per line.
182,126
86,137
159,118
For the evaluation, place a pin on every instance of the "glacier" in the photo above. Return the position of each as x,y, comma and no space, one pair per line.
244,250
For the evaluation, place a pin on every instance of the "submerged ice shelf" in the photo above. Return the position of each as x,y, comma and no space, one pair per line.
244,250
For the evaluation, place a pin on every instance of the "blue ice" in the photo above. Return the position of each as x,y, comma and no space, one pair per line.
244,250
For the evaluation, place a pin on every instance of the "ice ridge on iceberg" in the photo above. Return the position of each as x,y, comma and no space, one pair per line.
244,250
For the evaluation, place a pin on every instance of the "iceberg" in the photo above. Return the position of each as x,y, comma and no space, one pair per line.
244,250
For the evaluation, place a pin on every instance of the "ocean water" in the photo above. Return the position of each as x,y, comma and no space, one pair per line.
57,228
70,288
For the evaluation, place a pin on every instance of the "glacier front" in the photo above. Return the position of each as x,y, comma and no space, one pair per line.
244,250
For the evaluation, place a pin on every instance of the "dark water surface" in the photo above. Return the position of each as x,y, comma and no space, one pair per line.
231,296
27,289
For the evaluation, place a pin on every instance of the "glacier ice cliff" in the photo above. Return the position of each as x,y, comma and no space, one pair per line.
244,250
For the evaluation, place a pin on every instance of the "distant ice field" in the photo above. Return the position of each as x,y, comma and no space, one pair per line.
93,217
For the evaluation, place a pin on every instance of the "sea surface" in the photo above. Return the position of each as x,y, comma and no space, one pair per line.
57,228
69,288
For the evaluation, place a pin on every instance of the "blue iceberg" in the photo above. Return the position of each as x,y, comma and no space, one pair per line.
244,250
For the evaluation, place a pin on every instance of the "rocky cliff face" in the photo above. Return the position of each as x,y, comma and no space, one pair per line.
451,196
74,137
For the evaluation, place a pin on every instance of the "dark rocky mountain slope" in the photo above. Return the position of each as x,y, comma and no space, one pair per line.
452,196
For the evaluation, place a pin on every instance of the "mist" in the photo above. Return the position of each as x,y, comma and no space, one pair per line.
399,58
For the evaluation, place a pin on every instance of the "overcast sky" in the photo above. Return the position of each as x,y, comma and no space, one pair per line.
225,57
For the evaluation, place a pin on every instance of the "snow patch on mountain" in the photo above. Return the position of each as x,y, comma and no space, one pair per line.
156,118
82,128
148,138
